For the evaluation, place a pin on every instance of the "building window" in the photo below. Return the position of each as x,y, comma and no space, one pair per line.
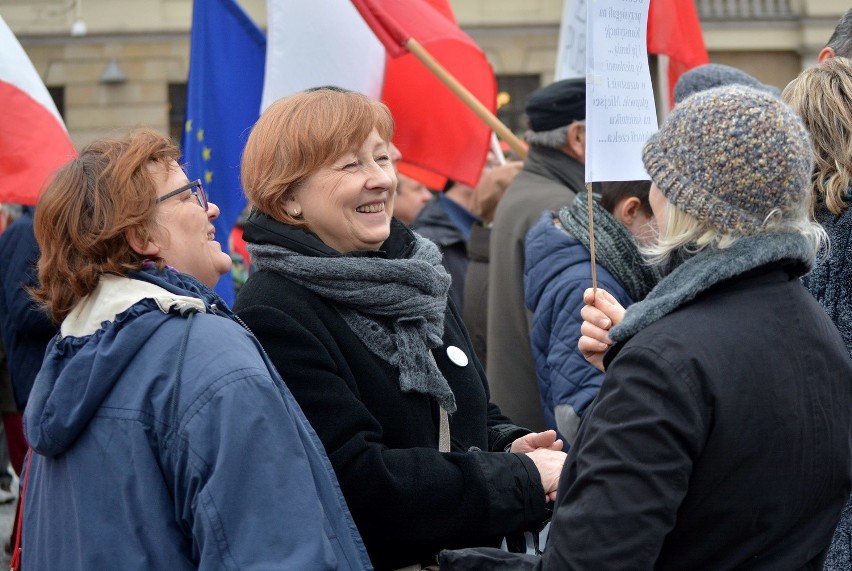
177,110
57,93
512,91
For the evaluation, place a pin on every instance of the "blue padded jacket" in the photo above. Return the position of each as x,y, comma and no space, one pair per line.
165,439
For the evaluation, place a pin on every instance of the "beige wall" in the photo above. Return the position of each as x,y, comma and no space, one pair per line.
94,109
150,41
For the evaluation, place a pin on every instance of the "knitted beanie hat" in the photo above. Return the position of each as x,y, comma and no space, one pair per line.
712,75
729,156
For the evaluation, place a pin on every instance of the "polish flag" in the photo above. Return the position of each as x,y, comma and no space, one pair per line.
357,44
674,30
33,139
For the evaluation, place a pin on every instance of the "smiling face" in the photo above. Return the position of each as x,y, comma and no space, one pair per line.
184,236
349,203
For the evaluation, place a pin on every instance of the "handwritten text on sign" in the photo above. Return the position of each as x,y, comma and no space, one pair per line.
620,109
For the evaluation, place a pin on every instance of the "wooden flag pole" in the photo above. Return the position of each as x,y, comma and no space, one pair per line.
592,240
466,96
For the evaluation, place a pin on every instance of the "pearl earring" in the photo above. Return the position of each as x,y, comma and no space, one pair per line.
296,212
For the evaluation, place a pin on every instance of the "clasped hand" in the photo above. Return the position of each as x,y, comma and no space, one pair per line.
545,450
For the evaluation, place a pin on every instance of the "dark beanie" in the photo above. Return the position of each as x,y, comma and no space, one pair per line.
712,75
729,156
556,105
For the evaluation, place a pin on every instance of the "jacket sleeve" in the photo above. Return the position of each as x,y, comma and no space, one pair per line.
629,470
22,272
244,484
27,322
571,381
405,500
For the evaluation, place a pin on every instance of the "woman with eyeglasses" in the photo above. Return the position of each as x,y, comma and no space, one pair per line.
162,436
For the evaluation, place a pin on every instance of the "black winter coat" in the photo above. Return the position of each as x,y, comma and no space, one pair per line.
408,500
719,439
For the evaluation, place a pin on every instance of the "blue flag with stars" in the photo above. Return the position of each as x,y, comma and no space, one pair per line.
226,63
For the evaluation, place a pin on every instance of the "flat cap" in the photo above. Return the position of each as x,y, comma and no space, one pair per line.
556,105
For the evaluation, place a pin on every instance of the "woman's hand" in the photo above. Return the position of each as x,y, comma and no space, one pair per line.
549,464
599,315
530,442
545,450
490,189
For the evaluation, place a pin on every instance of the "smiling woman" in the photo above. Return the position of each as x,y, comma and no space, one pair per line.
152,400
352,308
349,203
185,235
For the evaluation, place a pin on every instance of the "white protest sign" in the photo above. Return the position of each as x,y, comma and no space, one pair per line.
571,57
620,109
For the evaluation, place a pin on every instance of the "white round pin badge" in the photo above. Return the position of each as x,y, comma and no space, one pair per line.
457,356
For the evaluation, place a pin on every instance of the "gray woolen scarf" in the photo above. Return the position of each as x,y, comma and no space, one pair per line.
615,247
395,306
708,268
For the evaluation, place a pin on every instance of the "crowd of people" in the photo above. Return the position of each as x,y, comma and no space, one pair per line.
411,378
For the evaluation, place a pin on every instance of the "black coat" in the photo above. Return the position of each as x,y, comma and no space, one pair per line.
25,327
434,223
719,440
408,500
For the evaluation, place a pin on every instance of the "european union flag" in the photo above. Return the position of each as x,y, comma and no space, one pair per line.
226,63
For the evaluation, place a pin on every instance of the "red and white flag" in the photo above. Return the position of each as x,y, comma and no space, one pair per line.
357,44
33,139
674,30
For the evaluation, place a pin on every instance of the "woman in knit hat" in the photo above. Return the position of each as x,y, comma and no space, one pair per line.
720,437
822,96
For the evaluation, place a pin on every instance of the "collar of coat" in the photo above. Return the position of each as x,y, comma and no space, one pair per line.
712,266
114,295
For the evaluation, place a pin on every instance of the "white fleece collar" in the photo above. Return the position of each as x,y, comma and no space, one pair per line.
115,294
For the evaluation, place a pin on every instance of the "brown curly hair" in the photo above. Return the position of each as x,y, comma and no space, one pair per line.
86,213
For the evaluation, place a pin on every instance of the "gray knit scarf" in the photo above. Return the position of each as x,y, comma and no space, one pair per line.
708,268
615,247
395,306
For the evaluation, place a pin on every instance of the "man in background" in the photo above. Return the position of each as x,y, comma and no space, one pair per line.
840,42
552,175
411,197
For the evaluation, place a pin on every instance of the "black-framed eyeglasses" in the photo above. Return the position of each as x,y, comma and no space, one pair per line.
197,192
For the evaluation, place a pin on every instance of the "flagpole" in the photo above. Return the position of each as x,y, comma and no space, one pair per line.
592,238
498,152
466,96
663,87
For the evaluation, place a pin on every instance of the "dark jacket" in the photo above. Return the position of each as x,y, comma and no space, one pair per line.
26,328
557,272
830,282
434,223
165,439
550,179
408,499
719,439
475,311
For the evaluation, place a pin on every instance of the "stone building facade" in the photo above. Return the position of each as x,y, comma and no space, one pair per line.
129,67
